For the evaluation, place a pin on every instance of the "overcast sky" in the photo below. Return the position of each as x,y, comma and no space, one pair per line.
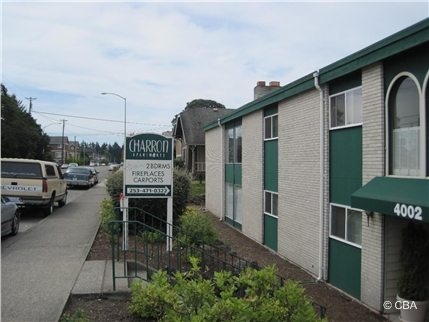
159,56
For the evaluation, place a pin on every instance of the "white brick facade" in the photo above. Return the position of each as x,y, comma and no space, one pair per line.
252,176
299,180
214,171
372,165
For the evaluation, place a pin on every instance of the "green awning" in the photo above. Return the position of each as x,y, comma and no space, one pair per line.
400,197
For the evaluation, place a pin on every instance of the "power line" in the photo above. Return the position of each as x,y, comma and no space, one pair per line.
99,119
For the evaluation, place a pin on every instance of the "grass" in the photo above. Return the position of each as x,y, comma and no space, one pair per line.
197,188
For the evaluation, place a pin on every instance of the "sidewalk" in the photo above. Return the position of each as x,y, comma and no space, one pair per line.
96,278
41,266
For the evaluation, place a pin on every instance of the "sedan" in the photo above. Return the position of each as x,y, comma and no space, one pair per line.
79,177
11,208
95,172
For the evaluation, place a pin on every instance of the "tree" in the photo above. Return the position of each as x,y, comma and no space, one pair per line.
199,103
204,104
21,136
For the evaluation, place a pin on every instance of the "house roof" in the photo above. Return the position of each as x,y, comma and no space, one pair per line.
190,123
401,41
58,139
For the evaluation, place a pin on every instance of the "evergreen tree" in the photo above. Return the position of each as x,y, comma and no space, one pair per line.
21,136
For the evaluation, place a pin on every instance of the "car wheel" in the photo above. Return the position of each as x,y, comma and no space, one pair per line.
63,201
49,208
15,223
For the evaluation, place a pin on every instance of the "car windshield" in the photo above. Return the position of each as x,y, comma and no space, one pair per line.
78,170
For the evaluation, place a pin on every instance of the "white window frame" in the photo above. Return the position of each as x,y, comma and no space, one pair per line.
344,240
271,135
272,203
422,126
345,93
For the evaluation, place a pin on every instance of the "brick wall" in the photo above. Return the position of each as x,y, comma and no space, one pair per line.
214,171
299,193
373,165
252,176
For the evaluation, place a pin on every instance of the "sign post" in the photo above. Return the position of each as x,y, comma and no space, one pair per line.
149,171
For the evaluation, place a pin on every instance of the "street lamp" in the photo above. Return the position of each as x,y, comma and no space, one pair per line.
125,202
51,124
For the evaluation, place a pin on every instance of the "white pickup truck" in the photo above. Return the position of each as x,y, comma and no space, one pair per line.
38,183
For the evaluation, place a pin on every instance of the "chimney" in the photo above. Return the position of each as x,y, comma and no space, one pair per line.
262,89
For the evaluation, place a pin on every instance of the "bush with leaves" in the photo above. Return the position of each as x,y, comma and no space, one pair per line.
196,229
114,186
252,296
108,213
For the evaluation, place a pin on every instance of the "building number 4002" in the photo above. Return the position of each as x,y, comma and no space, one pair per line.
412,212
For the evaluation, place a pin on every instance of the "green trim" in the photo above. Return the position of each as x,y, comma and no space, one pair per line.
345,267
233,223
270,232
345,167
271,165
399,42
271,110
233,173
384,194
345,83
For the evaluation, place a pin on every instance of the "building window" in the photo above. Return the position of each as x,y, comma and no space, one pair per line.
346,108
271,127
404,128
234,143
346,224
271,203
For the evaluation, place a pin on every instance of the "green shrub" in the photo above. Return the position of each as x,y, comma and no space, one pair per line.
196,229
155,299
107,211
114,186
182,187
153,236
179,163
193,298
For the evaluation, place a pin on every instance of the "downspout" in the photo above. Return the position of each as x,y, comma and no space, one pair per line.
222,179
321,176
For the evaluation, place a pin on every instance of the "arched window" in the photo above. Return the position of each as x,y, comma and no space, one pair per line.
404,128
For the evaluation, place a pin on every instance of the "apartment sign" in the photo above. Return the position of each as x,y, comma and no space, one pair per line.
148,166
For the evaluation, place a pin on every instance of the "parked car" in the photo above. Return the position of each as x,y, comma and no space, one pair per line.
95,173
79,177
113,167
38,183
73,164
10,215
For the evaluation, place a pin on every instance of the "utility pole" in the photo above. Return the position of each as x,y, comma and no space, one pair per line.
31,103
62,145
